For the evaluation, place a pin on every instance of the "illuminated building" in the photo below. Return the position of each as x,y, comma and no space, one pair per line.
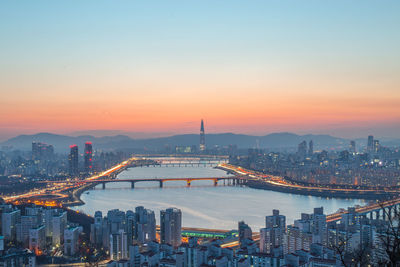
376,146
9,218
71,237
88,157
41,151
73,161
266,240
118,245
352,147
370,145
319,226
59,222
23,227
272,235
145,228
37,239
171,222
202,146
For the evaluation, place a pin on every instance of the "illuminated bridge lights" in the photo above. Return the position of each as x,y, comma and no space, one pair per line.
209,235
280,182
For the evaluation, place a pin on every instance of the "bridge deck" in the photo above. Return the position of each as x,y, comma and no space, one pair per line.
151,179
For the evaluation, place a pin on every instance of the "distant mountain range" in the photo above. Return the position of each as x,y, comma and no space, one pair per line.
61,143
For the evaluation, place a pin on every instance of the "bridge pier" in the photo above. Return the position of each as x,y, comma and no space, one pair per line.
371,215
161,184
188,183
132,185
215,182
104,185
377,213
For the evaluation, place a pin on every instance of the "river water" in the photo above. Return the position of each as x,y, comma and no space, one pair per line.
203,204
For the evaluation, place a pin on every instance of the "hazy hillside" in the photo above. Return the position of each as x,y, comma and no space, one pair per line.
61,143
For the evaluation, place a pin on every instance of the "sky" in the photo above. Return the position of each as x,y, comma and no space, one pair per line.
253,67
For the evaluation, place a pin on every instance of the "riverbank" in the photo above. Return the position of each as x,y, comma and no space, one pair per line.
75,198
259,180
317,193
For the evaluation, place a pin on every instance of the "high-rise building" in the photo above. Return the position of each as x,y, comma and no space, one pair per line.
370,145
134,256
88,158
244,232
9,218
118,245
22,228
171,223
145,225
376,147
1,244
352,147
202,146
266,240
71,236
311,148
275,220
59,222
302,149
37,239
42,151
73,160
319,226
271,236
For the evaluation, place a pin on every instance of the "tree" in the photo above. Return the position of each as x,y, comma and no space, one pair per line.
389,240
348,257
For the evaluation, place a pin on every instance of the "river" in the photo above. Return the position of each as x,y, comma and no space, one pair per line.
203,204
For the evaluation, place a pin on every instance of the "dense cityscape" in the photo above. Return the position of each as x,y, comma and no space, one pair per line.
372,165
39,228
199,133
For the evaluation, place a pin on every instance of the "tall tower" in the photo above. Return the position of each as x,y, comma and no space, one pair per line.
73,161
88,158
202,137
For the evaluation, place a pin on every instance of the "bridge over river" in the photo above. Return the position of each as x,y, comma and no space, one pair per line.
182,161
387,209
229,180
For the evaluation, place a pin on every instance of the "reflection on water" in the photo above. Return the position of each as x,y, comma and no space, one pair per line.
203,204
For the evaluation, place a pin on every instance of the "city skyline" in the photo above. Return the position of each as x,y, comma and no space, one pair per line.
347,134
206,133
248,68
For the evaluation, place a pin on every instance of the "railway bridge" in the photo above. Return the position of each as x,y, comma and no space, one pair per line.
387,209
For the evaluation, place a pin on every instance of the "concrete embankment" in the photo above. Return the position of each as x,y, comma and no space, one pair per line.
319,192
75,198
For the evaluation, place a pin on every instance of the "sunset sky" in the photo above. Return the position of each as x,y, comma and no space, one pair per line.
252,67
